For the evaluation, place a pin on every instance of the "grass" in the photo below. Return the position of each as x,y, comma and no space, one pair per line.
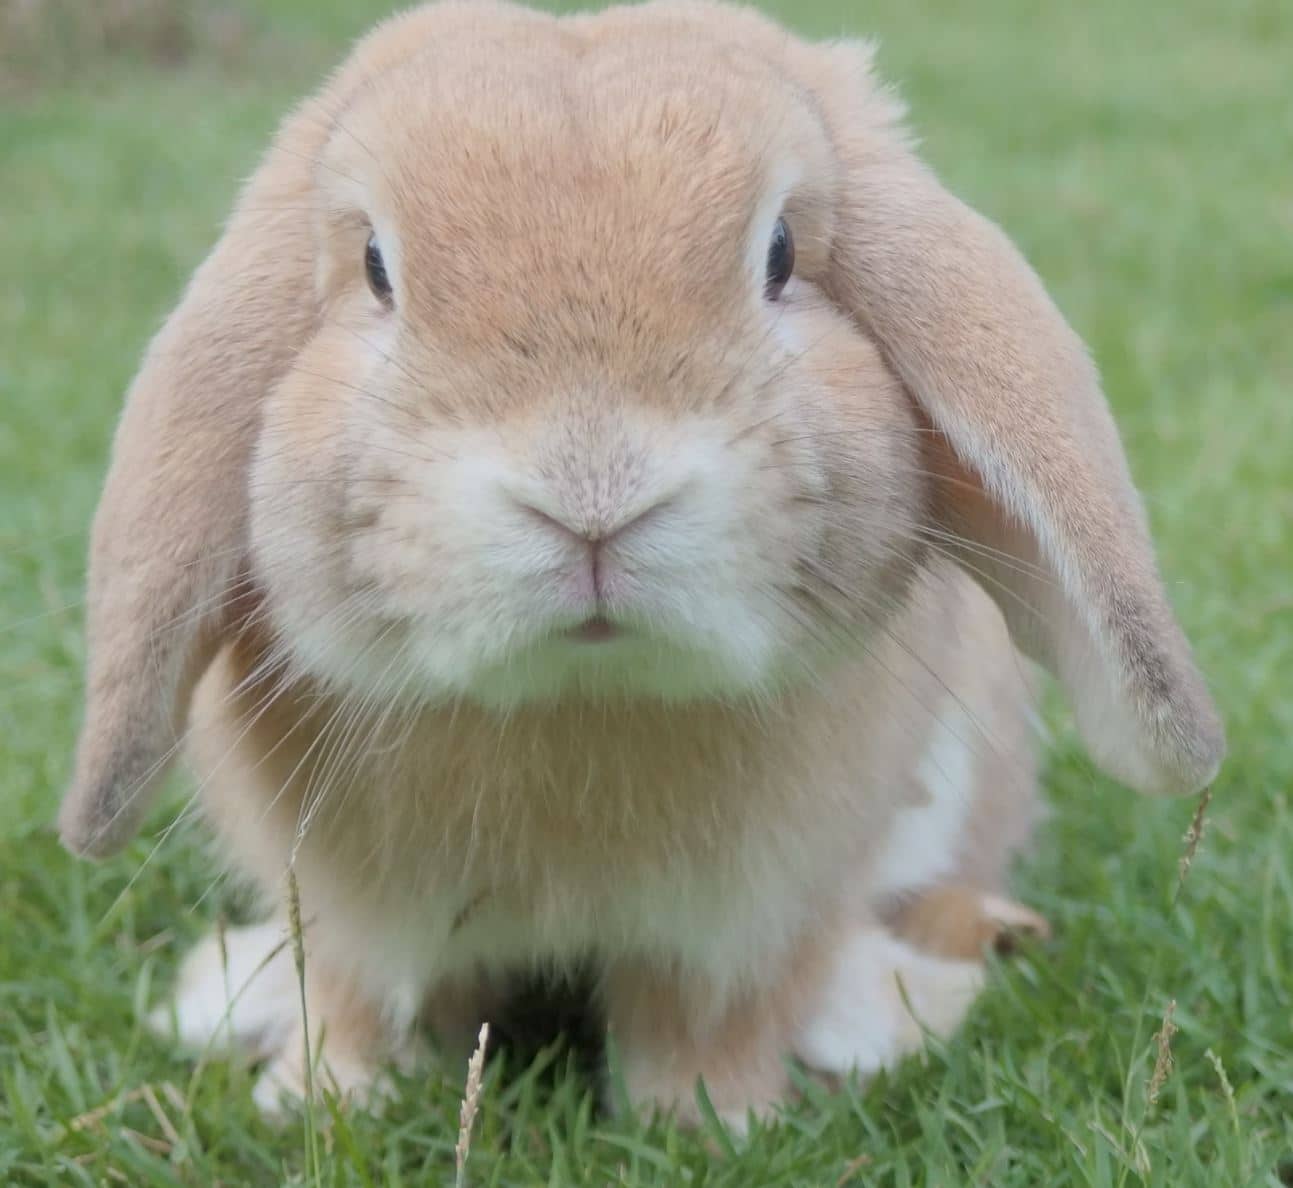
1140,155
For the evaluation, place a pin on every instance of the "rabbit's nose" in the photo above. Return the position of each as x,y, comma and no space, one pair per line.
594,534
595,529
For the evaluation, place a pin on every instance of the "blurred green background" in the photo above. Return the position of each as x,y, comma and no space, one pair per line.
1142,156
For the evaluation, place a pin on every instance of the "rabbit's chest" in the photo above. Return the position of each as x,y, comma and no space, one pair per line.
699,835
718,916
696,854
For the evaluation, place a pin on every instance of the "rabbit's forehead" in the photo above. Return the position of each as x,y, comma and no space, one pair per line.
504,141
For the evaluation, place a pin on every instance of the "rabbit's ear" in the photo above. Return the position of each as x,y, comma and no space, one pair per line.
1033,488
168,547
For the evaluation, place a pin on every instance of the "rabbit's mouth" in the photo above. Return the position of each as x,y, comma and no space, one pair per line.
595,629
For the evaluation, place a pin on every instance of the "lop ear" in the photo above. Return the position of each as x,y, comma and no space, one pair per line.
1033,482
169,539
168,548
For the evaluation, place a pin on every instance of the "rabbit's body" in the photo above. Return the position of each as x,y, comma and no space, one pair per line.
594,486
460,845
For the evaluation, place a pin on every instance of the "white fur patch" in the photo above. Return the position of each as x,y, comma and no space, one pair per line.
878,1002
923,843
245,998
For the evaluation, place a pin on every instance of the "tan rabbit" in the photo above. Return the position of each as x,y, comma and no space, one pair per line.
586,507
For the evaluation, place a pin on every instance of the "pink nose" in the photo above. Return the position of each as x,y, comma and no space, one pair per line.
594,534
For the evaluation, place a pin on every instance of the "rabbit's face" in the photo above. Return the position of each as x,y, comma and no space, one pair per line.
577,418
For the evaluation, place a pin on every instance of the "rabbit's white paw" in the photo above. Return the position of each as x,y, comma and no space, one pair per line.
241,996
879,1000
238,996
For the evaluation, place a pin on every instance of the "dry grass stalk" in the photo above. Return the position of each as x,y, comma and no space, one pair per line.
1163,1061
1193,835
160,1117
470,1105
298,957
94,1117
852,1170
1227,1089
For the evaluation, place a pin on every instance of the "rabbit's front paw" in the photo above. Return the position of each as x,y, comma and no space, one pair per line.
238,994
877,1002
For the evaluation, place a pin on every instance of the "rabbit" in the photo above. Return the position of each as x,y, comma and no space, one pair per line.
604,500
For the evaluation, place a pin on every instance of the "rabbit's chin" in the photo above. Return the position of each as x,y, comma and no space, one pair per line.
627,665
594,659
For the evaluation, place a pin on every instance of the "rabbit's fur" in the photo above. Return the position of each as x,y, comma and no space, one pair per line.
369,549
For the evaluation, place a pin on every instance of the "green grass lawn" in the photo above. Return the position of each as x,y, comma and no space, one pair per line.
1142,155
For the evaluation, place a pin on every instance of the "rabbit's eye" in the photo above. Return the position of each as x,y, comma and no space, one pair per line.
375,266
781,260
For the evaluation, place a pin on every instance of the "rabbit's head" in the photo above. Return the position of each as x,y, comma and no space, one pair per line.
630,355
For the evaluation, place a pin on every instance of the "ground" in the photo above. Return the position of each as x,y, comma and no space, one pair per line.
1139,153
